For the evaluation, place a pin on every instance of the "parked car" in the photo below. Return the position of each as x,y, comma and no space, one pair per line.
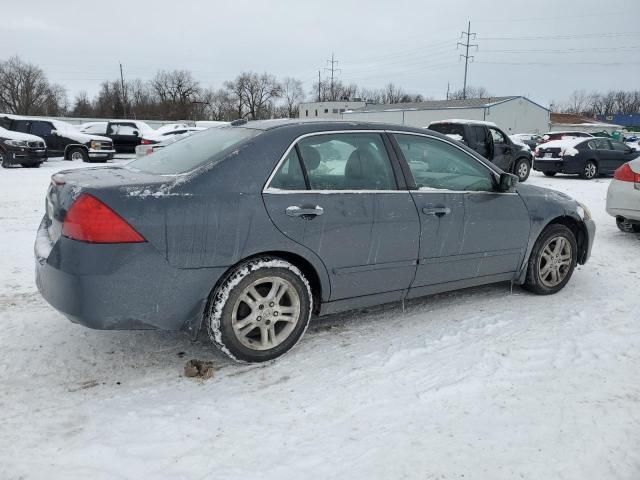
564,135
623,197
148,148
21,149
585,157
171,126
61,138
490,142
97,128
154,137
247,231
530,139
127,134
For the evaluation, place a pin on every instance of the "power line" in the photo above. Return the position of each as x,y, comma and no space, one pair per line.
466,56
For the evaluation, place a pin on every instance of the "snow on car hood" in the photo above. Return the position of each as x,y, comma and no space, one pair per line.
69,131
10,134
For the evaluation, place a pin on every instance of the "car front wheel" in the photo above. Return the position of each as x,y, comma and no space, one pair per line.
552,260
522,169
78,154
260,311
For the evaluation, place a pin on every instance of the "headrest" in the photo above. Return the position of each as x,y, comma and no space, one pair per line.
310,157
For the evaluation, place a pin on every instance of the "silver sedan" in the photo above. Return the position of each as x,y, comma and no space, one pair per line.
623,197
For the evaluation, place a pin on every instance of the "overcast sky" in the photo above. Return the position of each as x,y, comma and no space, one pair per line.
544,49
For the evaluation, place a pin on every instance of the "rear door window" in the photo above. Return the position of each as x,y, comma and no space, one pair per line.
480,134
289,175
602,144
498,136
448,129
21,126
347,161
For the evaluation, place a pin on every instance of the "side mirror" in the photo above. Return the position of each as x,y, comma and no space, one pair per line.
136,133
54,132
507,182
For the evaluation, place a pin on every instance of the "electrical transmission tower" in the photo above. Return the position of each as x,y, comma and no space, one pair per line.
466,55
333,62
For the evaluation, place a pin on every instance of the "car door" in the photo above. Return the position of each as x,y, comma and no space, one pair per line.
481,140
607,157
336,193
470,233
502,150
621,154
44,129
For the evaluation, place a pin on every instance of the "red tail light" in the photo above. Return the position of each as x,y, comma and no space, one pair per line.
625,174
89,220
145,142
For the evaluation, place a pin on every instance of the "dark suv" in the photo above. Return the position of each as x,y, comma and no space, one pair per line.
490,142
21,149
62,139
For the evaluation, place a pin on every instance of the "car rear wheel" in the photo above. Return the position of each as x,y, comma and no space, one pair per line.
260,311
549,174
626,226
552,260
590,170
522,169
78,154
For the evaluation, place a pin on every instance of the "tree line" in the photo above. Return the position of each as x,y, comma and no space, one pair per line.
597,103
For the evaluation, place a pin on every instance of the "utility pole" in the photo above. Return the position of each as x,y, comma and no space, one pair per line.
466,55
319,81
333,62
448,85
124,94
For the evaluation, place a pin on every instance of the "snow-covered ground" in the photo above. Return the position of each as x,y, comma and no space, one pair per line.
486,383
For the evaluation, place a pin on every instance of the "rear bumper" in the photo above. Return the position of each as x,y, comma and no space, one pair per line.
623,200
120,286
556,165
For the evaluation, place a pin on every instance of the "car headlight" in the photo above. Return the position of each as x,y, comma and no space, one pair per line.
583,211
95,145
16,143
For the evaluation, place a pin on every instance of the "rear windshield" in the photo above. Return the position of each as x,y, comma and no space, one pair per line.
189,153
448,129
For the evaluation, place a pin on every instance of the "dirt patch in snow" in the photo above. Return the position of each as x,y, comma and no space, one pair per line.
199,369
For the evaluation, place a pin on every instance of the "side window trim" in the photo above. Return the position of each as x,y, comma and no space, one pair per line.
411,184
302,166
294,145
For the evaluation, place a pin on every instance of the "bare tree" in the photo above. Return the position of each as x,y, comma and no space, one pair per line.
472,92
293,94
176,91
82,106
254,92
25,90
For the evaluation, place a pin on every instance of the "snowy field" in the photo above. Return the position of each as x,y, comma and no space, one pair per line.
486,383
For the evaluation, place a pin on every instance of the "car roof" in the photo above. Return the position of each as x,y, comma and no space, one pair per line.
325,124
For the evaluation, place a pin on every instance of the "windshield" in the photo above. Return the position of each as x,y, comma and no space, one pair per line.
204,147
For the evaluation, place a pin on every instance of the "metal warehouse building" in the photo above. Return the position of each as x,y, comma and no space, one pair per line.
512,114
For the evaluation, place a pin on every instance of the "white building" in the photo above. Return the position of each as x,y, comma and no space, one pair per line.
328,109
512,114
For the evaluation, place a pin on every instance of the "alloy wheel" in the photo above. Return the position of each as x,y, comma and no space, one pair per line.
76,155
590,170
523,170
266,313
555,261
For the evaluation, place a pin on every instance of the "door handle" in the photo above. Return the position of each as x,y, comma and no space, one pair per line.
436,211
297,211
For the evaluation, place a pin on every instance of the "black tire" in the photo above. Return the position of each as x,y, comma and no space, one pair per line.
626,226
522,168
232,308
79,154
590,170
4,160
549,174
535,281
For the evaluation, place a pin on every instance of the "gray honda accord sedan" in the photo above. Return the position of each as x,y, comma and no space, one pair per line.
247,231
